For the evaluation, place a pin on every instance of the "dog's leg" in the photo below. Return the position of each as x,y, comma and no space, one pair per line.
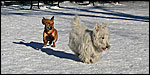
87,60
95,58
85,54
55,39
45,43
53,44
44,39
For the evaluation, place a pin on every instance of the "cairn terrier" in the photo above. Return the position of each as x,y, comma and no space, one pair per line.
88,44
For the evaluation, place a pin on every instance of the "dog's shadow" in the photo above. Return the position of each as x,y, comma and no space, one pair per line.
49,51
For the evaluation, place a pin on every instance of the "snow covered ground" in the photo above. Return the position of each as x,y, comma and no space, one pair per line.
21,39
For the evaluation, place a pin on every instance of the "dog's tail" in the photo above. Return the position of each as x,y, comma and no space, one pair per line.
76,21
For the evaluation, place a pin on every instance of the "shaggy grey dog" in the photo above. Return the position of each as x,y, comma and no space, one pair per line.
88,44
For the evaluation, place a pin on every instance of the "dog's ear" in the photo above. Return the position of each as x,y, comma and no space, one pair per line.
52,19
105,26
43,21
97,27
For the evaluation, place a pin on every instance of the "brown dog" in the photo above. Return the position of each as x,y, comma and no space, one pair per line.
50,33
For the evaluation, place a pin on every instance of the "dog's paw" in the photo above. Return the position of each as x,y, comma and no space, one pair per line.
93,61
53,46
88,62
44,46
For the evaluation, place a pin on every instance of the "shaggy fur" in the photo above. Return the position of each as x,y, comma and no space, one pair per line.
88,44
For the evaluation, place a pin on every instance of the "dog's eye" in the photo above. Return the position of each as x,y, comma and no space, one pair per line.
102,37
48,23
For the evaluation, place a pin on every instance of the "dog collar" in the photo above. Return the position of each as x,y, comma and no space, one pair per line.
51,32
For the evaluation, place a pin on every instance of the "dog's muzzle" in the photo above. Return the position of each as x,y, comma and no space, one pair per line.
108,46
50,27
104,49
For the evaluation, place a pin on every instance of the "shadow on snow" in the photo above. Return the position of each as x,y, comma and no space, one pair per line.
49,51
117,15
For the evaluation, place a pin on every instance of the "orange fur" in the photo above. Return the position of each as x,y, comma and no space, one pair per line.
50,33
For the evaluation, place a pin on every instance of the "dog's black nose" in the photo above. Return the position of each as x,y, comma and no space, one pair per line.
108,46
